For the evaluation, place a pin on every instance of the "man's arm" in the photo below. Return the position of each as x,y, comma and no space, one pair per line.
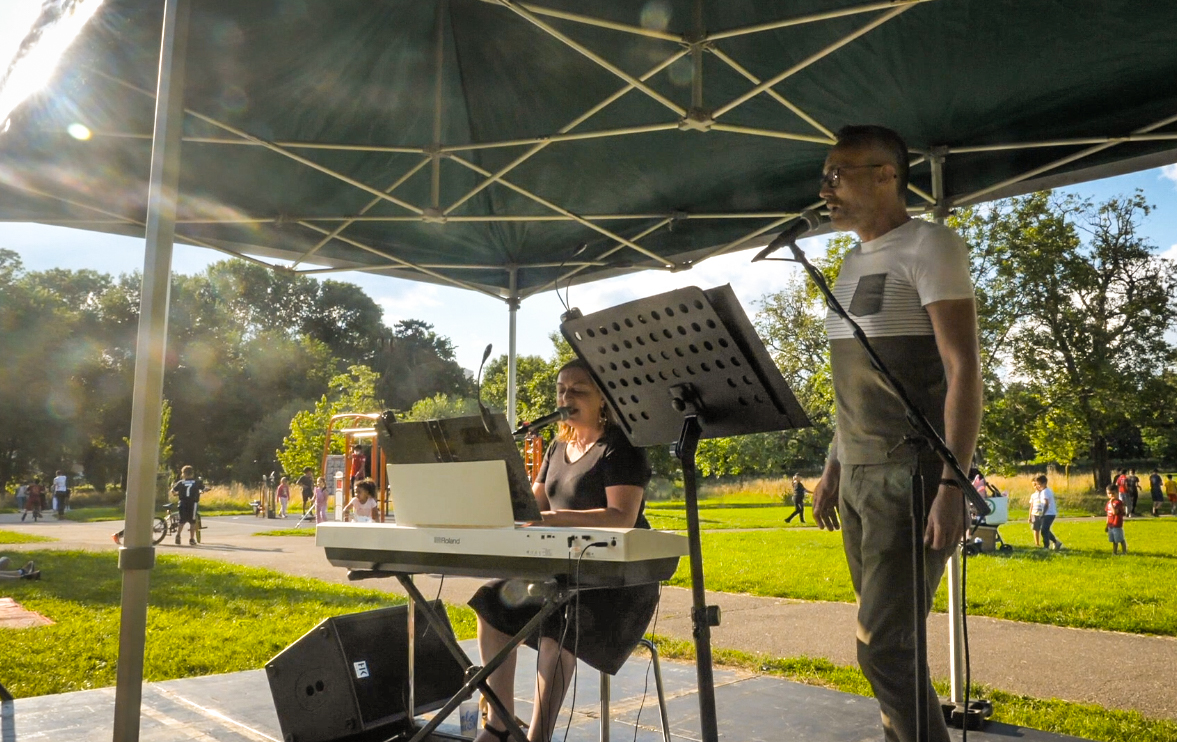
954,323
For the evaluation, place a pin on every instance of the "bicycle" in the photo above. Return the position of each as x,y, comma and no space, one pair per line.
165,525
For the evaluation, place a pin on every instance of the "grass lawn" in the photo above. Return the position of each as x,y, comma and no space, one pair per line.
1087,721
224,617
308,531
19,537
1084,586
750,510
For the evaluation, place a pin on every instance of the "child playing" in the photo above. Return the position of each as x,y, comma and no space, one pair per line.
1037,510
1049,513
1171,492
364,505
1115,526
283,494
320,500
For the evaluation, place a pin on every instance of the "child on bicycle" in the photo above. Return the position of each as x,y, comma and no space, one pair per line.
187,491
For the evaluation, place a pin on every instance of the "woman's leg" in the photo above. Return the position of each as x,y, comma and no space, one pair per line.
556,666
501,681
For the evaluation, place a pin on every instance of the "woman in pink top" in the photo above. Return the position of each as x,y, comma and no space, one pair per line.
283,494
320,500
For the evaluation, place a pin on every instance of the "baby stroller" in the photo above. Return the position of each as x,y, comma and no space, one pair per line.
984,537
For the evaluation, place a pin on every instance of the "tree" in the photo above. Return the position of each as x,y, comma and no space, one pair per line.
791,322
1089,316
414,363
354,391
535,393
440,407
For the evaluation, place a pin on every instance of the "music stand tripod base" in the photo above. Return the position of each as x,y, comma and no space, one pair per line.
677,368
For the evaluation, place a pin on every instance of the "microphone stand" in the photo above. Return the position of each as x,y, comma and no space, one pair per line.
927,435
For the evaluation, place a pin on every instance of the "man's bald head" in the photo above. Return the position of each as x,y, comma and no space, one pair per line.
881,140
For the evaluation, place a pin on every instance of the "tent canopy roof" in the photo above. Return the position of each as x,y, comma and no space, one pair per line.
483,143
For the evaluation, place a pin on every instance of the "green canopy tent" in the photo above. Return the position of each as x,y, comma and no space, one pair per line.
505,147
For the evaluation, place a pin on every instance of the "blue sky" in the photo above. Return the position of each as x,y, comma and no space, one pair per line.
471,320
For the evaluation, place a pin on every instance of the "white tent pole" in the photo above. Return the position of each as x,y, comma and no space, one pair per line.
137,557
512,312
956,658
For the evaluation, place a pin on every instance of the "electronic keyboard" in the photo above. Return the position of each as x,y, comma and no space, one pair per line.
593,557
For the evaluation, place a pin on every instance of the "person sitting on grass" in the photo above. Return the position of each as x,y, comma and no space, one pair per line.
187,492
1116,509
364,505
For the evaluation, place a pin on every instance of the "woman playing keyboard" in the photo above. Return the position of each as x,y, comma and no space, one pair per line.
591,477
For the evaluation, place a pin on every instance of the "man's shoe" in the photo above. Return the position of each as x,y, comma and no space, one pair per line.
31,575
192,542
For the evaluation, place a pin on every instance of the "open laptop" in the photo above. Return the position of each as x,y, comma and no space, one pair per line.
456,473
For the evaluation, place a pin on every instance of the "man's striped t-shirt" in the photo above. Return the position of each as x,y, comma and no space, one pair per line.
885,284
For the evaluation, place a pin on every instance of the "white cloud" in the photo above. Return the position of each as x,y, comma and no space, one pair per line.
1169,172
1171,253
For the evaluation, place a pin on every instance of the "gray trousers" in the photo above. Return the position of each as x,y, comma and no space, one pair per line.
875,505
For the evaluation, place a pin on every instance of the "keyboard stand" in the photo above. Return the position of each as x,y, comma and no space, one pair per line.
555,598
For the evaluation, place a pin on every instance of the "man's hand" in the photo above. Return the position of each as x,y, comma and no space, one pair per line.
825,501
946,519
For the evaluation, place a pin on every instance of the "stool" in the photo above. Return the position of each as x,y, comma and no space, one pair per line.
605,687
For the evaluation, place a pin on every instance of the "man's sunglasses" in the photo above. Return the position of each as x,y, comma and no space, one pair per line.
833,176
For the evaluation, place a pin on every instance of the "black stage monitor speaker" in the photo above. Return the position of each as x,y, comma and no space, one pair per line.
347,678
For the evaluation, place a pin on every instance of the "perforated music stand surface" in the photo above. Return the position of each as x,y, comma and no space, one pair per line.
641,350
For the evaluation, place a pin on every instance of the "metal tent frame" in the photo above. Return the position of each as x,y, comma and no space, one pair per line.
167,221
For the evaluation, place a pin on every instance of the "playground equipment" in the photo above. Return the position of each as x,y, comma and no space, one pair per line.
339,471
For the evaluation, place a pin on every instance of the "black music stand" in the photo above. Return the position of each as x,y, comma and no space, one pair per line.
677,368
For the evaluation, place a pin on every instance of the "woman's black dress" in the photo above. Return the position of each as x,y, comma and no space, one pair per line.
611,620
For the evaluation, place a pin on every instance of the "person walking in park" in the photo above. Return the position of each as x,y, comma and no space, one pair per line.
799,493
908,286
283,495
1115,523
358,463
307,483
35,500
187,491
60,494
1133,485
1049,513
22,496
1155,486
1171,492
320,500
1122,488
1037,511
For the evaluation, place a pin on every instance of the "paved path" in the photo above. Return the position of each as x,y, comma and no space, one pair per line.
1111,669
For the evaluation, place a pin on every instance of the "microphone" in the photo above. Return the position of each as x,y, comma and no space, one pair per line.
806,222
485,413
561,413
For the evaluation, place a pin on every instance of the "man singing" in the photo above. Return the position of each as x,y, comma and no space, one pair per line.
907,285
